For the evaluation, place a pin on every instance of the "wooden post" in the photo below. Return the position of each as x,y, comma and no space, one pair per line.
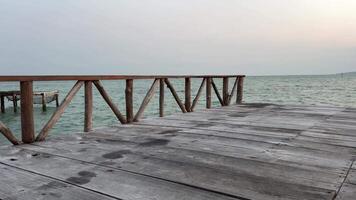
240,86
208,92
2,104
161,97
188,94
129,100
226,91
44,106
27,122
88,113
14,102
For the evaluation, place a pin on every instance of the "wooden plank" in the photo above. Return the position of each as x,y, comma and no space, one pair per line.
351,177
109,101
23,185
197,96
118,183
347,192
8,134
27,121
146,157
88,108
188,94
217,92
175,95
161,97
208,92
146,100
198,174
129,100
60,110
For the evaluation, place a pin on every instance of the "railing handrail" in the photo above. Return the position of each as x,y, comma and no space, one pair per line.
103,77
160,82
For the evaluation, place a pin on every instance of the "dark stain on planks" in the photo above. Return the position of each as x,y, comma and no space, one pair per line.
154,142
83,178
116,154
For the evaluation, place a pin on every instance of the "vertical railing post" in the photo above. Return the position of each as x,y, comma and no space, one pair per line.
208,92
240,86
161,97
226,91
188,94
88,113
129,100
27,121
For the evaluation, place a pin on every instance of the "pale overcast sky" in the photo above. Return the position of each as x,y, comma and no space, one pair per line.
254,37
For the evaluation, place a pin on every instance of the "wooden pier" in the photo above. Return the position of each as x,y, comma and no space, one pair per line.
243,151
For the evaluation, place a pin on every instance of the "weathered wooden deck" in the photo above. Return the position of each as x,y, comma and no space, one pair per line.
250,151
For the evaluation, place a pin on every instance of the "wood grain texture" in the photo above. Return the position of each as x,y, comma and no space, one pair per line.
27,119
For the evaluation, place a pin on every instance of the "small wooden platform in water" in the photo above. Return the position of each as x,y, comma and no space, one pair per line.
250,151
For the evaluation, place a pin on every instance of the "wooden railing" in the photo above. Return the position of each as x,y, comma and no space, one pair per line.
26,91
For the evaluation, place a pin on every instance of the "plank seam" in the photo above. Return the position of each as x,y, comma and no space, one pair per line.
145,175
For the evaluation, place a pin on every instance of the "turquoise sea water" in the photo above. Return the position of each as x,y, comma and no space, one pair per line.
334,90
